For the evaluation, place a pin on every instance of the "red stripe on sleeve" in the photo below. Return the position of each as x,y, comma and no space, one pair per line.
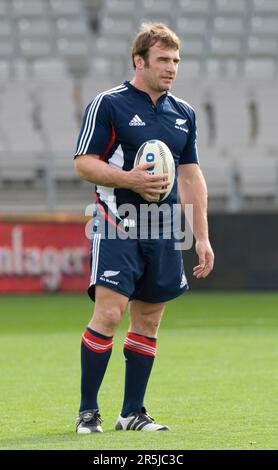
109,145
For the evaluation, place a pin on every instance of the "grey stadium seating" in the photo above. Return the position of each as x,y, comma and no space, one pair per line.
53,62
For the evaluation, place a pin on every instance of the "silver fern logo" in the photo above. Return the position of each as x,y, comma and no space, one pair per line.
180,122
105,277
110,273
180,125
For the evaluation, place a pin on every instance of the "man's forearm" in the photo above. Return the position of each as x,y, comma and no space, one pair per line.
195,192
91,169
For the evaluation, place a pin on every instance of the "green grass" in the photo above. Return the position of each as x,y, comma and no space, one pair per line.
214,380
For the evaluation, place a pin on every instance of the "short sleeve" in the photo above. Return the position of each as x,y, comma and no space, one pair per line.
190,152
96,128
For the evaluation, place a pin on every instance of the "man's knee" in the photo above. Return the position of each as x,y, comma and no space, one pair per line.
111,316
109,310
148,324
145,318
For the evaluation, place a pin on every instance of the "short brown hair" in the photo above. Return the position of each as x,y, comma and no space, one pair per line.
151,33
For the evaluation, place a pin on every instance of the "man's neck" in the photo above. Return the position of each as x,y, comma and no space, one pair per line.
142,87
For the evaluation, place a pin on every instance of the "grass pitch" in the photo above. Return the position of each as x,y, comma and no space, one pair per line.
214,380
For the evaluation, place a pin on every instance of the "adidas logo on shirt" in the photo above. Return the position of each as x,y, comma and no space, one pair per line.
136,121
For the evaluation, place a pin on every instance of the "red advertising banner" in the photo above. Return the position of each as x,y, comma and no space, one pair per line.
43,256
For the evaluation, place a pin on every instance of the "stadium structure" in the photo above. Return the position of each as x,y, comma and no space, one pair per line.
56,55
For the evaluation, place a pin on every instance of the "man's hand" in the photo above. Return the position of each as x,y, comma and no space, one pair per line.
206,259
148,186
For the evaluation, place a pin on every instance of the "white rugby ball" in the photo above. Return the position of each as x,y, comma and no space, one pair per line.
156,151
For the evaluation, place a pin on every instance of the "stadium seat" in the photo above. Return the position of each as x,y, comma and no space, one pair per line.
188,69
4,71
64,142
20,69
160,7
63,168
5,29
24,8
26,141
192,47
19,166
191,90
258,177
120,7
3,9
118,48
153,18
35,49
225,47
34,28
230,110
99,66
59,123
214,68
218,173
69,27
260,68
110,70
217,67
265,25
68,8
93,85
190,7
72,48
265,6
231,7
3,146
117,27
7,49
16,118
186,89
259,46
225,25
51,69
266,94
233,68
195,26
50,90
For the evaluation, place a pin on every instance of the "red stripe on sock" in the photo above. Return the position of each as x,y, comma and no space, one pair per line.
140,344
96,344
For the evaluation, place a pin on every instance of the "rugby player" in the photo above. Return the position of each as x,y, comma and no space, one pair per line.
142,274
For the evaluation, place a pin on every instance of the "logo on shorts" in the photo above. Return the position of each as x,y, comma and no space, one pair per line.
107,274
183,281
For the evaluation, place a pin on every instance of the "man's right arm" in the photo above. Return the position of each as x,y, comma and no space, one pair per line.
90,168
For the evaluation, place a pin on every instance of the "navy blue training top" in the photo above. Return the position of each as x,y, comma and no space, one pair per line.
118,121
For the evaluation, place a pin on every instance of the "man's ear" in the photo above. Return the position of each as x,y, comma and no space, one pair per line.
139,61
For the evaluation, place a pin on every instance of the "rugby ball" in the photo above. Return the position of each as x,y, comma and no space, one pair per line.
156,151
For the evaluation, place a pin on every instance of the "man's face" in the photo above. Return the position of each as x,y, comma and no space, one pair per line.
160,70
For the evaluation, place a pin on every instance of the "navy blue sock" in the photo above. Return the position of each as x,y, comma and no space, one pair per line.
139,352
95,353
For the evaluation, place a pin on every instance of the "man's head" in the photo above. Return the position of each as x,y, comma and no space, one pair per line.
155,56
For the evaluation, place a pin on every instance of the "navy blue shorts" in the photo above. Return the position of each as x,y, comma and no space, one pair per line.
147,270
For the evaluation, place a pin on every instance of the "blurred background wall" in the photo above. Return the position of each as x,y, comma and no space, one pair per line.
56,55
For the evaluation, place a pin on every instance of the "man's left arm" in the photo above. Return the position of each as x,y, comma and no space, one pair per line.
193,190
